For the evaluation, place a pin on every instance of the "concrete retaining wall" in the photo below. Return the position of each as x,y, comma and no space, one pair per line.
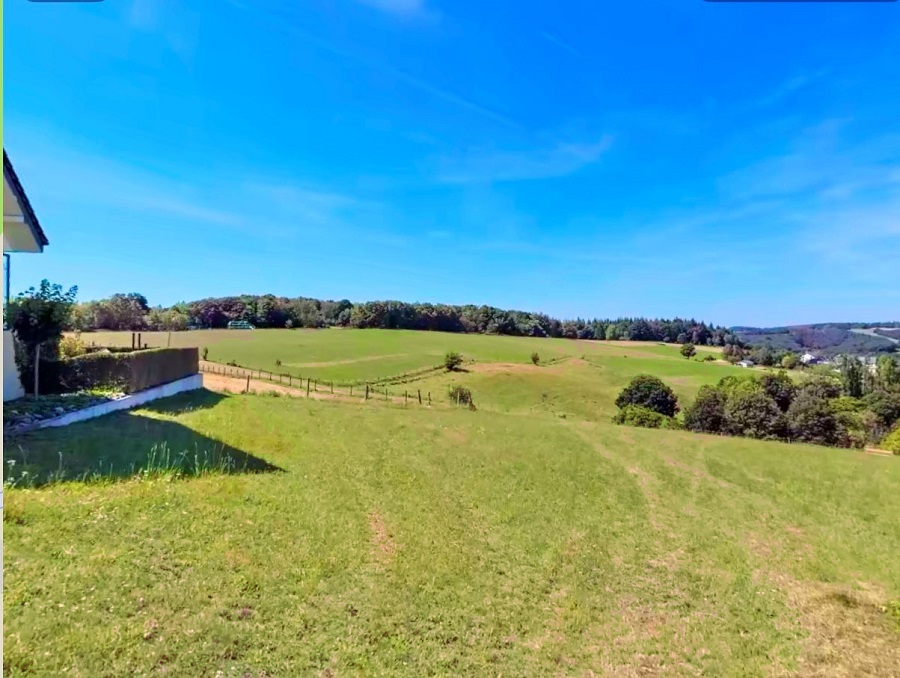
191,383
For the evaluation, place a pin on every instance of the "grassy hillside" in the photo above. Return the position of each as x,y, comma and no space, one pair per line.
381,540
827,340
359,355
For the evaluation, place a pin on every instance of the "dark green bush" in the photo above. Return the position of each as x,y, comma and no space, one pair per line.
635,415
460,395
130,372
780,388
649,392
452,360
813,420
707,413
535,358
892,442
751,412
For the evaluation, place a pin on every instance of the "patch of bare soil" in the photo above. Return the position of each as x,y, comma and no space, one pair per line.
383,546
225,384
847,631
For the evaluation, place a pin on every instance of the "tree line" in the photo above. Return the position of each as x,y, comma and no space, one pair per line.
851,408
131,312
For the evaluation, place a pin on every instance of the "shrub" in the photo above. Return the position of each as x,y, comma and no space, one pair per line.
707,413
452,361
289,324
460,395
205,352
130,372
688,350
708,358
891,443
635,415
812,420
751,412
277,363
71,347
649,392
37,318
535,358
790,361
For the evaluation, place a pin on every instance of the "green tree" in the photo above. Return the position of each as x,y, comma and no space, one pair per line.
821,385
780,388
752,412
688,350
813,420
648,391
452,361
707,413
887,372
37,317
852,377
790,361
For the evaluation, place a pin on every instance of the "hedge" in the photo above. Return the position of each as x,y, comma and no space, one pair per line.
130,372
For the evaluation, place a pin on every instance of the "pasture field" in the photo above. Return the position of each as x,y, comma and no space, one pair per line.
344,355
530,537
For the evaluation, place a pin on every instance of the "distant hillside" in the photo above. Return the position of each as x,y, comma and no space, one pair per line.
826,339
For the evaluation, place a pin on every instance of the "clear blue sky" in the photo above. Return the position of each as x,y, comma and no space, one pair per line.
738,163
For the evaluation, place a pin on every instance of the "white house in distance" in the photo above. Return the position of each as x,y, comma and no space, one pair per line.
21,233
810,359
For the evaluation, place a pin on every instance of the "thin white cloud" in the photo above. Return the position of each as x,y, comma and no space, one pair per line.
559,42
557,160
282,21
789,86
401,8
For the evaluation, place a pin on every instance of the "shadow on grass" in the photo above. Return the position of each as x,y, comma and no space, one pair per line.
126,445
201,399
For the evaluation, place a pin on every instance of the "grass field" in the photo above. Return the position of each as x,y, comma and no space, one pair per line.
372,355
375,539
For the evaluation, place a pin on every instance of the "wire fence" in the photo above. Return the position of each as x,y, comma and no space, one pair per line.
314,387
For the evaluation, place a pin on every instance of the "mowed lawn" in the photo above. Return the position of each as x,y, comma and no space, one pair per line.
378,540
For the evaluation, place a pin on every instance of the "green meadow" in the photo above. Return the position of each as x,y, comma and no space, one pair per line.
252,535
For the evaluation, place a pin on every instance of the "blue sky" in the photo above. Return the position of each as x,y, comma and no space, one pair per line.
738,163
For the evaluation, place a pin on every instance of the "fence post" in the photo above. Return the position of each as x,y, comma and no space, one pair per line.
248,383
307,388
385,394
169,341
367,391
351,390
290,380
420,396
316,385
405,398
332,387
429,397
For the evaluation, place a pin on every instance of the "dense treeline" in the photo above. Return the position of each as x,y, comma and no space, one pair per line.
853,407
132,312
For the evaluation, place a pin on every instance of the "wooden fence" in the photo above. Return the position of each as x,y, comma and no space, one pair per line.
363,392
